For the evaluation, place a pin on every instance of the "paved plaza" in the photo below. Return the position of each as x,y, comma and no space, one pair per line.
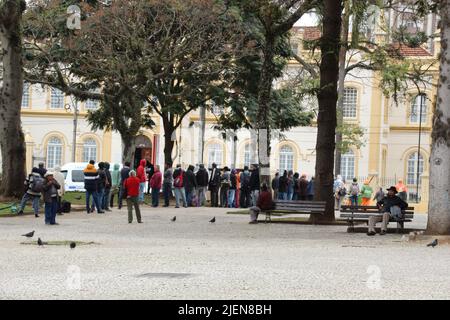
231,259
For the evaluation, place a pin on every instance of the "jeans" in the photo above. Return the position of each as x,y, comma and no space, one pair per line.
201,196
141,191
34,199
167,191
100,193
105,200
255,195
94,195
155,197
354,200
224,196
231,194
180,194
189,196
50,211
133,201
282,195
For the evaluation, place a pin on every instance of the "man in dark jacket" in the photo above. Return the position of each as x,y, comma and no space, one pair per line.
101,185
213,185
302,187
190,184
90,184
202,184
105,202
244,196
124,173
232,190
283,186
392,207
254,183
50,193
41,169
276,185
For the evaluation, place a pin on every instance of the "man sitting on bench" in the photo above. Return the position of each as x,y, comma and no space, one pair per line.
263,203
391,206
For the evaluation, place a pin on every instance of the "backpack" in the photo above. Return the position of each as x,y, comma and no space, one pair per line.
178,182
354,189
245,183
37,185
342,191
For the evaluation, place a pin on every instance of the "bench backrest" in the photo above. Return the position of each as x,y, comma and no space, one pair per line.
370,209
300,205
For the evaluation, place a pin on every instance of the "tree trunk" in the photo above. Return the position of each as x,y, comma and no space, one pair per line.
341,86
263,126
128,148
12,141
168,143
439,200
327,97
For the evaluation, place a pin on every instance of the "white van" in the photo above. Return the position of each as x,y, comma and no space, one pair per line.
74,176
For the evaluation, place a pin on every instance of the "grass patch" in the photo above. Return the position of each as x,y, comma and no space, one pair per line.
60,243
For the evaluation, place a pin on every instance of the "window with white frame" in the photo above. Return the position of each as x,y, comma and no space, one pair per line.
286,158
411,177
215,154
348,165
350,99
54,152
26,95
56,99
89,150
91,104
247,155
419,109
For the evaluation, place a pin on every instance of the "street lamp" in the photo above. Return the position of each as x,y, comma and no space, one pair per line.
68,108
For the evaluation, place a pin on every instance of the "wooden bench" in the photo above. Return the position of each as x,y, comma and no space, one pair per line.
362,213
296,207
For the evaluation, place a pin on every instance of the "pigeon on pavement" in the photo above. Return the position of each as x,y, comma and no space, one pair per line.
73,245
213,220
29,234
433,244
173,219
39,242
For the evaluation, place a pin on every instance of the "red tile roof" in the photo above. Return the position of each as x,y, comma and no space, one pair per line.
406,51
311,33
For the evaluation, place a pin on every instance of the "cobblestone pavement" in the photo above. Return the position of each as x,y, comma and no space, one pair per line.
231,259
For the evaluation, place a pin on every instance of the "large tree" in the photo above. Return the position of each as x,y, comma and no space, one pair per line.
12,141
439,201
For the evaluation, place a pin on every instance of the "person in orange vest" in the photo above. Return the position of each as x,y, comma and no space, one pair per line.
402,190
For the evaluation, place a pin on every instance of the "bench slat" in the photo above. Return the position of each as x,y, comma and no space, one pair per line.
367,216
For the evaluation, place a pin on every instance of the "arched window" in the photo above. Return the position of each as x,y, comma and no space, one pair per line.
89,150
411,170
286,158
418,107
26,95
348,165
215,154
56,99
54,152
349,104
247,155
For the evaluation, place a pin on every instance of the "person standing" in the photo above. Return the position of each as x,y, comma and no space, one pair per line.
302,187
283,186
232,190
296,180
339,191
254,184
179,178
90,185
59,177
190,185
124,174
224,187
276,185
402,190
101,184
155,184
35,184
213,185
149,171
167,183
132,187
354,192
244,197
366,193
310,189
379,195
290,188
41,169
142,176
105,201
115,180
50,193
202,184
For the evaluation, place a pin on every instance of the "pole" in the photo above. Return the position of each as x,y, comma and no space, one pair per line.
422,100
75,125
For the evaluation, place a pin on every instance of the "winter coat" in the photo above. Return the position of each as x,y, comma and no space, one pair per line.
60,178
50,190
140,172
302,186
202,177
214,179
124,174
276,183
29,181
283,184
156,180
254,180
190,182
90,178
168,176
115,176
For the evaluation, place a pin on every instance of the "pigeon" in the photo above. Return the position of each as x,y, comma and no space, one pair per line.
78,198
39,242
173,219
433,244
213,220
29,234
73,245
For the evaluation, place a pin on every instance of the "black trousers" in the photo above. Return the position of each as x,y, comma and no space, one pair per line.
214,198
244,199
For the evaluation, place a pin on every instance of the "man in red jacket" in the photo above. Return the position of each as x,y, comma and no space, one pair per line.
141,174
263,203
155,184
131,186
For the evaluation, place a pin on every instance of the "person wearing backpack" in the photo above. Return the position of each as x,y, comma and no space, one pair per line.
366,193
244,197
50,193
354,192
34,183
178,184
201,178
225,183
90,185
190,185
339,191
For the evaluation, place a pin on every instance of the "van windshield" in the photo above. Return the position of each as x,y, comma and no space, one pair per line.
77,176
64,172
